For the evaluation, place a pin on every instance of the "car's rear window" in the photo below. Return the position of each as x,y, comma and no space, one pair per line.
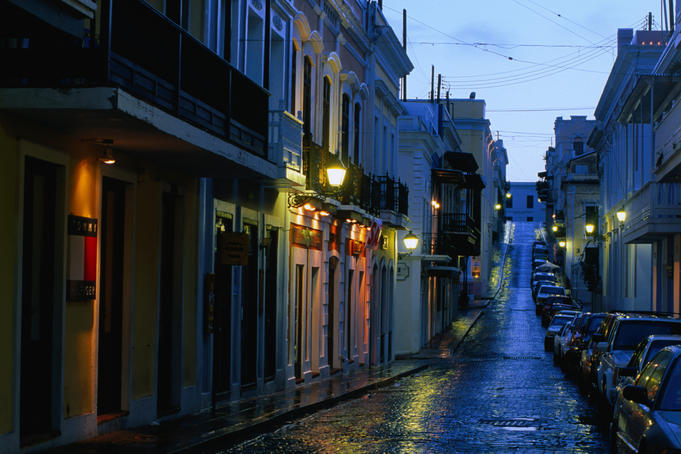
553,290
630,333
560,320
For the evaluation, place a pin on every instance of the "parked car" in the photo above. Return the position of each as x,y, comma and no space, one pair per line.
547,291
580,340
646,417
542,276
561,344
554,327
617,349
556,304
590,356
537,285
645,350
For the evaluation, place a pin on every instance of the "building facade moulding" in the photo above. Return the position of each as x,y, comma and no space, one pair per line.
351,79
334,62
316,41
303,26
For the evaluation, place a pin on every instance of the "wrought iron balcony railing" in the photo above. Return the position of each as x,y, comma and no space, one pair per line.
368,192
152,57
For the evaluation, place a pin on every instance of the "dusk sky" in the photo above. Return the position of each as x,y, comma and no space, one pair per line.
530,60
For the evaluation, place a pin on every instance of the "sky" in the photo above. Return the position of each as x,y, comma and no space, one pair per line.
530,60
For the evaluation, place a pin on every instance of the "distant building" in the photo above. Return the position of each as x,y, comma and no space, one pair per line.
523,205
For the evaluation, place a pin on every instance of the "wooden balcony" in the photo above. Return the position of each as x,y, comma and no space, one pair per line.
153,58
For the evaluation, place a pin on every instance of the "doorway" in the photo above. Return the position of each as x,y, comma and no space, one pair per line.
271,305
331,324
170,305
348,317
110,351
249,311
298,321
40,298
223,312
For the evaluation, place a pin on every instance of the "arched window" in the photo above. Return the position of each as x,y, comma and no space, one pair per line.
326,112
358,116
345,128
307,94
578,146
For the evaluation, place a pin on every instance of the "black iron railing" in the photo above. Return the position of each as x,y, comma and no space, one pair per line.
457,223
150,56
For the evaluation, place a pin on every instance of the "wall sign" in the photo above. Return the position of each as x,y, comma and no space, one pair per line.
402,271
306,237
233,248
82,259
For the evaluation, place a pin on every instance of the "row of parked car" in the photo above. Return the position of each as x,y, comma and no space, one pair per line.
629,360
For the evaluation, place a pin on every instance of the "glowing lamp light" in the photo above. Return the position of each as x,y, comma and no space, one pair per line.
308,207
324,213
411,241
539,199
589,228
554,228
435,204
621,216
561,243
508,195
336,174
107,158
497,206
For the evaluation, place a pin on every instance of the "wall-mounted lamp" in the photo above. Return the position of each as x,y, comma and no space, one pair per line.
435,204
336,172
621,215
539,199
589,229
561,243
107,157
497,206
554,228
411,242
508,195
312,201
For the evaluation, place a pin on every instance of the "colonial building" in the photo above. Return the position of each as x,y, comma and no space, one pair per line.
522,203
174,239
629,249
445,215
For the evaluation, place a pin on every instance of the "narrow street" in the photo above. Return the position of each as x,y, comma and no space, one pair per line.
499,392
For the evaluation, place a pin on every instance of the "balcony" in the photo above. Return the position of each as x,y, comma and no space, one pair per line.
285,142
149,56
379,196
458,234
668,145
653,212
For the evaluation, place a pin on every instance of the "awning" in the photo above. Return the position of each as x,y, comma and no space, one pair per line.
461,161
474,181
443,271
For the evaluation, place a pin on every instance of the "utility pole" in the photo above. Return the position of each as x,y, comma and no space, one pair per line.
432,83
404,47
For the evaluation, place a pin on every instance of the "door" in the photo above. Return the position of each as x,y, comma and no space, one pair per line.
223,313
170,305
348,317
112,231
331,326
271,306
249,311
298,321
40,331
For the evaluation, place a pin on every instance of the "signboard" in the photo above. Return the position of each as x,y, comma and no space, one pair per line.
82,275
306,237
233,248
402,271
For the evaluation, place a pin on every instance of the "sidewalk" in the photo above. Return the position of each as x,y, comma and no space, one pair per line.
244,419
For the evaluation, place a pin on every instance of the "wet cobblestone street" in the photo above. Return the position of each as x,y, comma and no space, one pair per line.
500,392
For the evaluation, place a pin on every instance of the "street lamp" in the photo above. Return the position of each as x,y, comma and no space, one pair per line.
621,215
561,243
554,228
589,228
508,195
411,241
497,206
336,173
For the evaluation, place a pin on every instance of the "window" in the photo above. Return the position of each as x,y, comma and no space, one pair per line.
326,112
345,128
530,201
358,113
578,146
294,75
307,94
530,219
